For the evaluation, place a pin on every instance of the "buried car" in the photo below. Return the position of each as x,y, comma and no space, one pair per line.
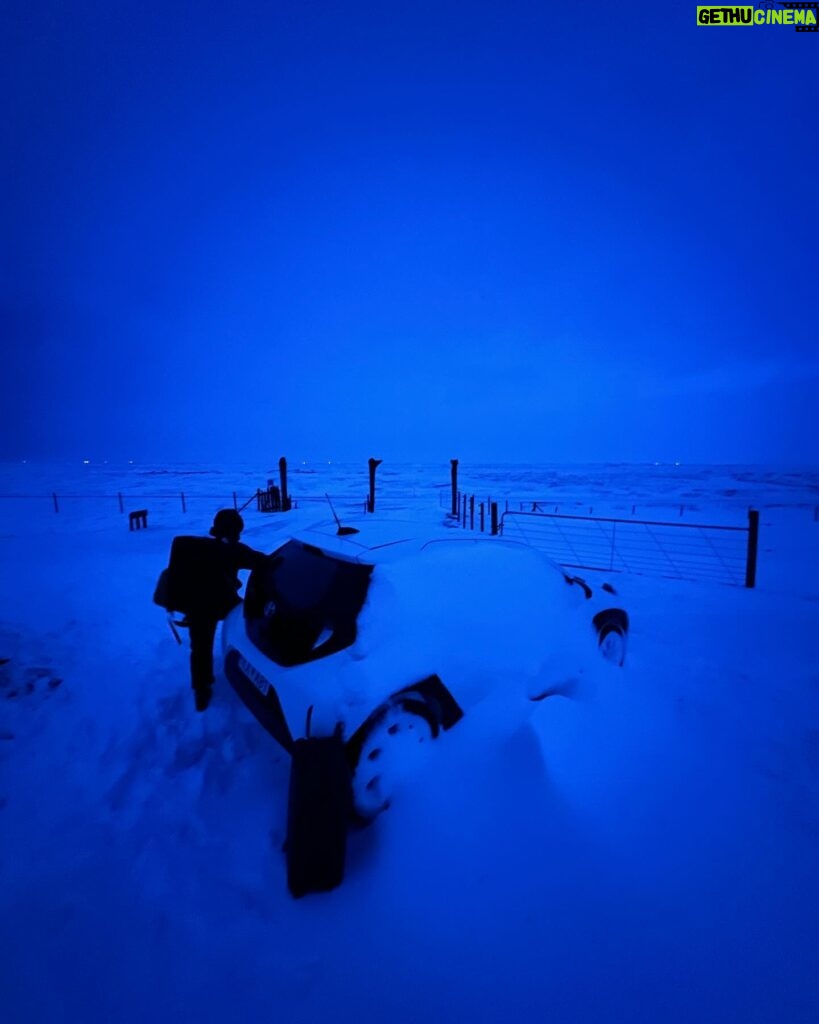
383,637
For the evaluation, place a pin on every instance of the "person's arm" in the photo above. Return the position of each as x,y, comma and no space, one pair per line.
249,558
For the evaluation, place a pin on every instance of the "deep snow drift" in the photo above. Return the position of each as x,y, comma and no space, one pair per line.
647,850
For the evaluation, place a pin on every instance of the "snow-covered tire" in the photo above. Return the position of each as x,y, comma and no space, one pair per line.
612,644
390,753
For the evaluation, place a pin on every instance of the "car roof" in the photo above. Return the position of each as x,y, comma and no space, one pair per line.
375,540
381,540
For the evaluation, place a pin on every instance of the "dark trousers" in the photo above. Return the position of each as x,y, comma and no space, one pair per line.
202,629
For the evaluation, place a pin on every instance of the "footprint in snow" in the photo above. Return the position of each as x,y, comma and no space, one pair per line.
18,681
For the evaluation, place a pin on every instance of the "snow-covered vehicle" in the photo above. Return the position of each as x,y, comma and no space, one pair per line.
385,636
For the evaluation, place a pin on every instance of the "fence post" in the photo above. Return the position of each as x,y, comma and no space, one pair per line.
464,513
482,520
56,505
283,482
184,506
121,506
453,472
373,466
472,512
493,509
753,545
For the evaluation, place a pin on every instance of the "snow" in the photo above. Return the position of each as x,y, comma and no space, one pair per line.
644,848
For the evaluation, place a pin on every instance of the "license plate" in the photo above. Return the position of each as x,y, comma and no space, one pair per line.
254,675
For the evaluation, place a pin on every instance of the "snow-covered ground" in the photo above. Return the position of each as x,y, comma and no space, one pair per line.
645,851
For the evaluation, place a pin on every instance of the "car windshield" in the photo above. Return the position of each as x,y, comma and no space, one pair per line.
304,603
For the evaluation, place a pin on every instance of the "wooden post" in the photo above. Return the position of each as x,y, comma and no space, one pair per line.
493,510
454,477
121,506
464,513
56,505
235,502
184,506
283,481
753,546
481,517
471,511
373,465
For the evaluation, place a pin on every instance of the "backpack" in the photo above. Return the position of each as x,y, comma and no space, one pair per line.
162,591
199,579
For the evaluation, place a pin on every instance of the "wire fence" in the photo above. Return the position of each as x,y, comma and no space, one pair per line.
173,503
686,550
615,506
725,554
119,500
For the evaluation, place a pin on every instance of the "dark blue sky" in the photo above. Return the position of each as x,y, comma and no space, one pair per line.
510,231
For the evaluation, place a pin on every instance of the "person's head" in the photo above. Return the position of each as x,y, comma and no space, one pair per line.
227,525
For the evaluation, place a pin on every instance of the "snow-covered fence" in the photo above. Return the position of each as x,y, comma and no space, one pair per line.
474,514
577,506
353,504
725,554
167,504
170,505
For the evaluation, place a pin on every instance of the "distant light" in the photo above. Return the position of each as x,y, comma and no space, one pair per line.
676,463
130,462
86,462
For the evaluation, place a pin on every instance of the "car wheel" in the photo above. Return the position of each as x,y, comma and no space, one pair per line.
612,644
390,753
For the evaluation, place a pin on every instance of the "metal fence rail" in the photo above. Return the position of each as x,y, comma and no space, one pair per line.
185,501
725,554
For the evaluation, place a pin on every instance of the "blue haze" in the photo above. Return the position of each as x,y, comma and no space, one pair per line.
499,231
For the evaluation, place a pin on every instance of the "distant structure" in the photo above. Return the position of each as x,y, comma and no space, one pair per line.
138,520
269,500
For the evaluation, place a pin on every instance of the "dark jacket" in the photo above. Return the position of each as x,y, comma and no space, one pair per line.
203,574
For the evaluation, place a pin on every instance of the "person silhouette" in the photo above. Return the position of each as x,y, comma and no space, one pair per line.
204,582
